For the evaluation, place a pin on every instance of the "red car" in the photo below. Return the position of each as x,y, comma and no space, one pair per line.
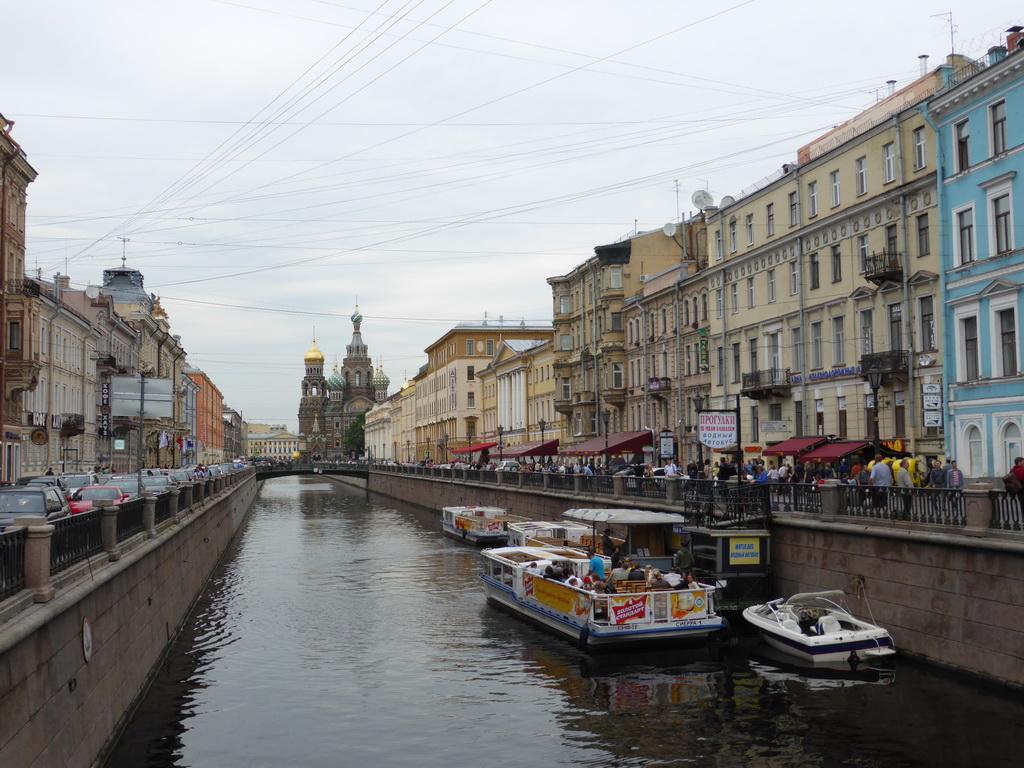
84,498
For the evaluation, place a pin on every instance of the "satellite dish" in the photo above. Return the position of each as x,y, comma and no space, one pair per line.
92,291
702,199
669,229
727,200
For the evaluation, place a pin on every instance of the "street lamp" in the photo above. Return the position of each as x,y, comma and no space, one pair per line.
874,376
541,423
501,431
606,416
407,450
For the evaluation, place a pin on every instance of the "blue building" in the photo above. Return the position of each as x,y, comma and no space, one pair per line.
978,118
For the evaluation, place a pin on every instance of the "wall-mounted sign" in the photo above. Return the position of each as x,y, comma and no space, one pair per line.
39,436
119,445
780,425
716,430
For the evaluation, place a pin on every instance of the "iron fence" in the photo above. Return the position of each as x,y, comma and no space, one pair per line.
557,482
1007,512
129,518
165,507
532,479
916,505
12,562
75,538
645,487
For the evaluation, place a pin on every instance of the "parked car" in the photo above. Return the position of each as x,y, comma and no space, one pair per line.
55,481
85,498
78,480
179,475
157,483
36,500
508,465
127,483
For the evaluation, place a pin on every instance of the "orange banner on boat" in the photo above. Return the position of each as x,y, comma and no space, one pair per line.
555,595
628,608
692,604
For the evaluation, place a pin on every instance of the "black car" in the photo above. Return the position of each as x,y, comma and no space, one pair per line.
55,481
34,500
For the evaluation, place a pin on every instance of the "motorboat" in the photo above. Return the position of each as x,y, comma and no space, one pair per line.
482,526
817,627
514,580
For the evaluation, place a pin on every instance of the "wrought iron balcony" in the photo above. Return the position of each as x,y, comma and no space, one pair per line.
23,287
767,383
891,361
880,267
106,361
662,385
71,424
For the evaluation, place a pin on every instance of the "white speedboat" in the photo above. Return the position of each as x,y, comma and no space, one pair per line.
482,526
513,579
817,627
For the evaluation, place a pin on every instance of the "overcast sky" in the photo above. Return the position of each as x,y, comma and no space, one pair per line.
272,162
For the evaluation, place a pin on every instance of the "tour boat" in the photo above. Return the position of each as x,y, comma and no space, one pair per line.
482,526
817,627
543,533
513,580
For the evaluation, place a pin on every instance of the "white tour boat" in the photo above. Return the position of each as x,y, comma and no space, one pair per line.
482,526
544,533
817,627
513,580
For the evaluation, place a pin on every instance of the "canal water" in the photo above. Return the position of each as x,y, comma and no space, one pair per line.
343,630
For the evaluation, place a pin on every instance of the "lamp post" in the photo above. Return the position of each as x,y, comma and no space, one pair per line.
606,416
874,376
501,431
541,423
407,450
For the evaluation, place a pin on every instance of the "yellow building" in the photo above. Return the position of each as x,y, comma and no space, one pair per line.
826,270
273,446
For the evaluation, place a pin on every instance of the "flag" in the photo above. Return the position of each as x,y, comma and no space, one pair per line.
181,442
165,439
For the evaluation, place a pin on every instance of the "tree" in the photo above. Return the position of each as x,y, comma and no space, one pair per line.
354,437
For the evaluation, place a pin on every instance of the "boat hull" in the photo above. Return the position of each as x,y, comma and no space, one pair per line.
476,539
844,646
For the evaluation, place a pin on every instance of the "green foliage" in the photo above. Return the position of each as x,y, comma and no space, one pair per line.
354,437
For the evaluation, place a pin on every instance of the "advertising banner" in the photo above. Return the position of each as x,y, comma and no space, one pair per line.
627,608
692,604
717,429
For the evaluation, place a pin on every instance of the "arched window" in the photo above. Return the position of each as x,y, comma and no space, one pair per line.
704,309
975,454
1011,447
686,313
359,378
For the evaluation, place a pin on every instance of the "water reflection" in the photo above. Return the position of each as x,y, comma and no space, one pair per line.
345,630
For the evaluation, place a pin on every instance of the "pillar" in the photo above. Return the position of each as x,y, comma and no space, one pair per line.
37,557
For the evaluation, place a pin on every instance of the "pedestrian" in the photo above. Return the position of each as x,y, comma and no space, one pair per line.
954,477
1017,473
881,479
905,484
937,476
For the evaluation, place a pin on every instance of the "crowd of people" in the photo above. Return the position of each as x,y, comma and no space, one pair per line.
624,570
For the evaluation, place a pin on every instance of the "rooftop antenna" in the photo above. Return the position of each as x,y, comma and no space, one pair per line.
952,29
124,249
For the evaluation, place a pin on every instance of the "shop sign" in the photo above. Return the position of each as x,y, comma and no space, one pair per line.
752,449
894,445
773,426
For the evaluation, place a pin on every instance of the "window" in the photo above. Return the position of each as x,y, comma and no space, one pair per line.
470,373
750,229
812,199
862,252
566,341
704,306
896,325
755,424
686,312
471,399
617,372
1008,341
839,341
616,321
997,114
837,264
1001,224
14,335
926,311
752,353
861,166
975,452
615,277
736,361
566,389
794,277
965,235
924,245
771,285
732,235
735,291
961,146
490,346
969,337
470,346
889,162
796,336
815,278
720,373
794,210
751,294
920,148
892,243
563,305
770,219
867,331
718,243
833,183
816,345
720,303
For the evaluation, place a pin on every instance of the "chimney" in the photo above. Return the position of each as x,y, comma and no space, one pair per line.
923,59
892,86
996,54
1015,38
62,281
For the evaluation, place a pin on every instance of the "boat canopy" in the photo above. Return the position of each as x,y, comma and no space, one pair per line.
625,516
829,594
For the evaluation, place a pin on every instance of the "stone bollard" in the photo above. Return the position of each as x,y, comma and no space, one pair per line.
108,532
37,557
977,509
149,517
547,480
672,489
577,484
500,474
618,486
833,502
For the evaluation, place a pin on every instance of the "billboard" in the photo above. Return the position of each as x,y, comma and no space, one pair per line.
717,429
154,395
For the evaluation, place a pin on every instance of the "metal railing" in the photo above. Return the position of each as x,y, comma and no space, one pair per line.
75,538
12,562
916,505
1007,512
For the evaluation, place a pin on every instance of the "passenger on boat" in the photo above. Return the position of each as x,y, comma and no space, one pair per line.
596,564
572,580
533,568
690,581
673,577
636,573
607,545
549,573
621,571
658,581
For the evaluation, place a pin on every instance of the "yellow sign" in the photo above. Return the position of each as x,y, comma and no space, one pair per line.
691,604
744,551
554,594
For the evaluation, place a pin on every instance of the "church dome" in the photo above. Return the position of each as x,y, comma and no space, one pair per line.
356,317
381,380
337,380
314,356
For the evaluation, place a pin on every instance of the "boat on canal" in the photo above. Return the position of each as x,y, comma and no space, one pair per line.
481,526
817,627
513,581
545,533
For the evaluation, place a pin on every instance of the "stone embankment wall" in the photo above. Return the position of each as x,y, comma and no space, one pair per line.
63,699
953,597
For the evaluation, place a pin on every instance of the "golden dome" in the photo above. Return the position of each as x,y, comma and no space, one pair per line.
314,356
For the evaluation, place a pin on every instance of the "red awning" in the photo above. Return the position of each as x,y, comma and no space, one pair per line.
475,448
536,448
793,447
621,442
832,451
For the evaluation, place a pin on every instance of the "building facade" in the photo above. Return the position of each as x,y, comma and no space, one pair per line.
209,419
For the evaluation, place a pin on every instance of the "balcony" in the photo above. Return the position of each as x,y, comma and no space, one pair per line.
584,397
615,396
72,424
884,266
106,361
659,385
563,405
23,287
894,361
772,382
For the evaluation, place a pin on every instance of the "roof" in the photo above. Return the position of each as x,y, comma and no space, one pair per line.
535,448
793,446
621,442
523,345
833,451
475,448
625,516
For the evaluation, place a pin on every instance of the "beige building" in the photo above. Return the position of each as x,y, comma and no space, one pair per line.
276,445
824,271
382,428
518,387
